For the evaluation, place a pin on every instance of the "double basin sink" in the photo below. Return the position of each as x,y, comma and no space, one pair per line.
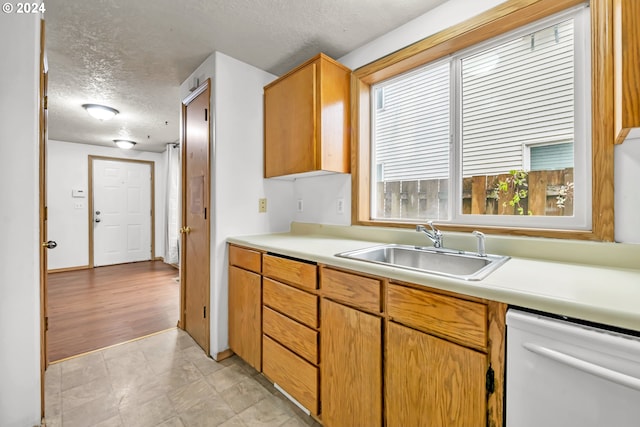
444,262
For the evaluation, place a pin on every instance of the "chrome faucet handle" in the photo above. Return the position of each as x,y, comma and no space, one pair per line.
435,235
481,248
434,229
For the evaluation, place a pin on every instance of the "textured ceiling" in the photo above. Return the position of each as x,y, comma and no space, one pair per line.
133,55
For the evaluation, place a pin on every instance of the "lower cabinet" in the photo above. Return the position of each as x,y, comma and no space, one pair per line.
432,382
245,315
351,355
359,350
290,328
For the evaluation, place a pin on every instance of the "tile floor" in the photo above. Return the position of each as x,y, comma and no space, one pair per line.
163,380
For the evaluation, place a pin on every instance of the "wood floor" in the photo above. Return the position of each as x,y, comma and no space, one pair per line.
99,307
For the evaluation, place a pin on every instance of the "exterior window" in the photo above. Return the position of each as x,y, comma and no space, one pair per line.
549,157
412,145
497,134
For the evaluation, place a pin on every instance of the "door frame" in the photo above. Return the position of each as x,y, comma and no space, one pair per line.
152,164
183,212
42,185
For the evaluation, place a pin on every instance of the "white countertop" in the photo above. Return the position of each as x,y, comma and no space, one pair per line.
608,294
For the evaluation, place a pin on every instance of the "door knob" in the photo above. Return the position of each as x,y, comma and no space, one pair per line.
97,212
49,245
185,230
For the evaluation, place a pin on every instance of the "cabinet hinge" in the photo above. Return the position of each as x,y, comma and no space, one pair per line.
206,114
46,323
204,312
491,381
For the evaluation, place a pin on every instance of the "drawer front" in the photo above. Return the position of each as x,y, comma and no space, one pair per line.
352,289
297,304
293,335
462,321
295,375
290,271
245,258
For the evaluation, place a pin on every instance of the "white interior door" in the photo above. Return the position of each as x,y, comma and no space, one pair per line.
121,212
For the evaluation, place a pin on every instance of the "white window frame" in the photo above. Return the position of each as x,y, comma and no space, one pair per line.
582,217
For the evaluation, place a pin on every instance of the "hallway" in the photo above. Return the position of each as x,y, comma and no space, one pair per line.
96,308
163,380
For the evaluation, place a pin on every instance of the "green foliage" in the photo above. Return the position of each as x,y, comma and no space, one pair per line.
517,184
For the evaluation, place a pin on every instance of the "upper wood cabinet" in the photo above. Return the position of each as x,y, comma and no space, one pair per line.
627,72
306,120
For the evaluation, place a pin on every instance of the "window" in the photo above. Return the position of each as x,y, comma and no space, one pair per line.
456,137
493,134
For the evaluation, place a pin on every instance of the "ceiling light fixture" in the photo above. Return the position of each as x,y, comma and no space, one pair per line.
124,144
100,112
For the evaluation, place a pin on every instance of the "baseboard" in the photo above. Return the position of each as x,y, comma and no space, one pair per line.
62,270
223,355
159,258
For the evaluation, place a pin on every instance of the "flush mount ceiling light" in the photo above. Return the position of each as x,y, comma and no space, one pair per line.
100,112
124,144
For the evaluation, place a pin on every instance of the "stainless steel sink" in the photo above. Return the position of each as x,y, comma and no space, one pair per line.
440,261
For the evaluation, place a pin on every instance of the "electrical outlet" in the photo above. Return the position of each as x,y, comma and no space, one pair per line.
340,206
262,205
300,205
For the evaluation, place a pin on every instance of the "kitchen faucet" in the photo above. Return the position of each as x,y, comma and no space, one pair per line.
480,236
434,235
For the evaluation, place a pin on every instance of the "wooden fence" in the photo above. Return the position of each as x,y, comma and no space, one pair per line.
480,195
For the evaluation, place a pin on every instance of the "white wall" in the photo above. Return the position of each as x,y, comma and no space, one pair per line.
19,221
320,195
67,169
237,172
627,204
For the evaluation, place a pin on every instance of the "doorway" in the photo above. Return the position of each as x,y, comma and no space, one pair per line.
121,214
196,212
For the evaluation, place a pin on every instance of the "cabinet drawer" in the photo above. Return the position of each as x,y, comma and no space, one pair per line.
295,375
352,289
290,271
462,321
245,258
293,335
297,304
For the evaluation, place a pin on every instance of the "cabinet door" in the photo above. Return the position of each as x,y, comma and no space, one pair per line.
290,124
351,367
245,315
432,382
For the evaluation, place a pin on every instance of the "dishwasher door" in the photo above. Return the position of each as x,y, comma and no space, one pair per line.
563,374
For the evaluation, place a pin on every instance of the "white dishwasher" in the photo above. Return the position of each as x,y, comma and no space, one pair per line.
565,374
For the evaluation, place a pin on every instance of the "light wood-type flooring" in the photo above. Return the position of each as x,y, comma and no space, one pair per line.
99,307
